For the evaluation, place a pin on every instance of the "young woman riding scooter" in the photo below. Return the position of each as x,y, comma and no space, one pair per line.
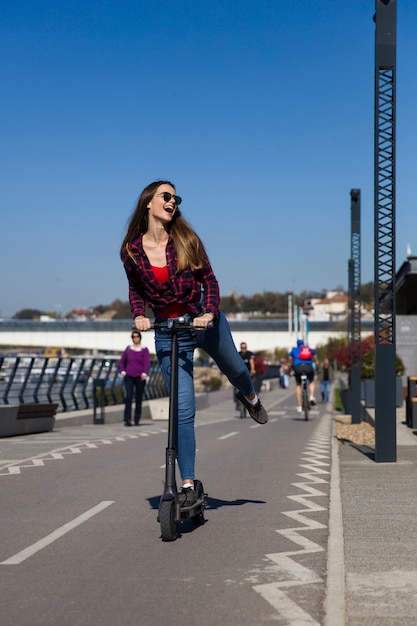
168,270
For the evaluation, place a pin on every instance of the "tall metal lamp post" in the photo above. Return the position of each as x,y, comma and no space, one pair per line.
384,214
355,307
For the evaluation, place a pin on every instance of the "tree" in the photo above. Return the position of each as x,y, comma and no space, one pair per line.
228,304
28,314
367,295
338,351
122,309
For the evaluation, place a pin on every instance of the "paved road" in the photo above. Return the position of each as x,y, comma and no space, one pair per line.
80,543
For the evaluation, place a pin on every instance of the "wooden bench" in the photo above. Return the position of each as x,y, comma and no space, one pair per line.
26,419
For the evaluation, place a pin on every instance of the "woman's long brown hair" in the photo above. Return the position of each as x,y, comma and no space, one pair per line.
190,249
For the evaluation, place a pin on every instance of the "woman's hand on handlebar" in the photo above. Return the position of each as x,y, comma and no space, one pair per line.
142,323
203,321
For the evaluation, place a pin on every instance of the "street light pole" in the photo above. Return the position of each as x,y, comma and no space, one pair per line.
384,213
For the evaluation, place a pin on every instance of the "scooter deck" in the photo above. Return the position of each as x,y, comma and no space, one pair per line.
194,509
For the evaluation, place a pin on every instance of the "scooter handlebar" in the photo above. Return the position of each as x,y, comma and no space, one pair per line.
177,324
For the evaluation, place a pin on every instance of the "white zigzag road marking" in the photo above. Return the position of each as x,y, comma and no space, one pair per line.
309,547
284,606
311,490
289,572
14,468
308,523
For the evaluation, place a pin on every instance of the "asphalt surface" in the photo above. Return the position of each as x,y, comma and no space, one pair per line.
300,529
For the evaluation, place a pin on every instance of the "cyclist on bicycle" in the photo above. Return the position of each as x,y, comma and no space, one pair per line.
301,359
249,359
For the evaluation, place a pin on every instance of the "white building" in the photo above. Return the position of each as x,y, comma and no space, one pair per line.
332,308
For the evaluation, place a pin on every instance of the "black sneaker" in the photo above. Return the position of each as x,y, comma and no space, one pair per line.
187,496
256,411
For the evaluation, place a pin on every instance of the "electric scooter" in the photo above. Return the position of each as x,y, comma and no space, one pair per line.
171,513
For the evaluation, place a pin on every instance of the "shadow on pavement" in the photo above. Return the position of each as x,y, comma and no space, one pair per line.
365,450
212,503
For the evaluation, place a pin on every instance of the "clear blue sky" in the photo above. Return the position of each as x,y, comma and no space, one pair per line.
260,111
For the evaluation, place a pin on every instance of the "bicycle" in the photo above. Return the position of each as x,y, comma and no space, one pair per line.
240,408
305,401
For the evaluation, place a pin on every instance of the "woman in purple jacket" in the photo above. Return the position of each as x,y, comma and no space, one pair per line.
134,367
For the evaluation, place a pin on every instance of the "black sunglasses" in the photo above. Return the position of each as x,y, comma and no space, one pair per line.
168,196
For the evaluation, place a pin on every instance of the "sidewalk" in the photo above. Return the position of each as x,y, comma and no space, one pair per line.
378,535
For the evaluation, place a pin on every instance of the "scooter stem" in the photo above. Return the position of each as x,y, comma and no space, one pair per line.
171,450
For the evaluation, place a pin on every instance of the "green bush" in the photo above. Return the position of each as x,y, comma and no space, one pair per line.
368,366
215,383
338,404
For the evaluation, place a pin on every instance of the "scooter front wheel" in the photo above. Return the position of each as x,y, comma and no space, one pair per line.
169,530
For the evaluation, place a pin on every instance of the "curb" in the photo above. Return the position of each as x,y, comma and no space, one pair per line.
153,410
335,591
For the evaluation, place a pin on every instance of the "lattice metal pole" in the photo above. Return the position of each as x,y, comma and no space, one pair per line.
355,306
384,205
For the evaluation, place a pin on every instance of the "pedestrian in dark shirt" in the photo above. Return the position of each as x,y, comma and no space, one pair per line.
248,357
168,270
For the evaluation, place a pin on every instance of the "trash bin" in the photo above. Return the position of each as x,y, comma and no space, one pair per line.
99,400
411,402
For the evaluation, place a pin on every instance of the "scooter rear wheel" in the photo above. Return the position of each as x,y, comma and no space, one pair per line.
198,519
169,529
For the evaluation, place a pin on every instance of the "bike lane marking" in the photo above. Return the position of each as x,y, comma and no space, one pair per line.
21,556
14,467
232,434
290,573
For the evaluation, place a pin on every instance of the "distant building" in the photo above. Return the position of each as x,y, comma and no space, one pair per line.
332,308
81,315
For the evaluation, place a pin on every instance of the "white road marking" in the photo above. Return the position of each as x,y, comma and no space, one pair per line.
289,571
13,467
228,435
18,558
284,606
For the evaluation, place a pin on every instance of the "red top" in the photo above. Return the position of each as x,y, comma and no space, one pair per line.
160,273
172,310
198,290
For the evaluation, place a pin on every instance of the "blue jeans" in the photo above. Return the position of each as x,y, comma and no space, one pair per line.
219,344
325,390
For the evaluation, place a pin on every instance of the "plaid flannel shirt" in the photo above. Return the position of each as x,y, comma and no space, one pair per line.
197,290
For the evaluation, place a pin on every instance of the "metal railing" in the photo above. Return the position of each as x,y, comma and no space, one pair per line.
68,381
